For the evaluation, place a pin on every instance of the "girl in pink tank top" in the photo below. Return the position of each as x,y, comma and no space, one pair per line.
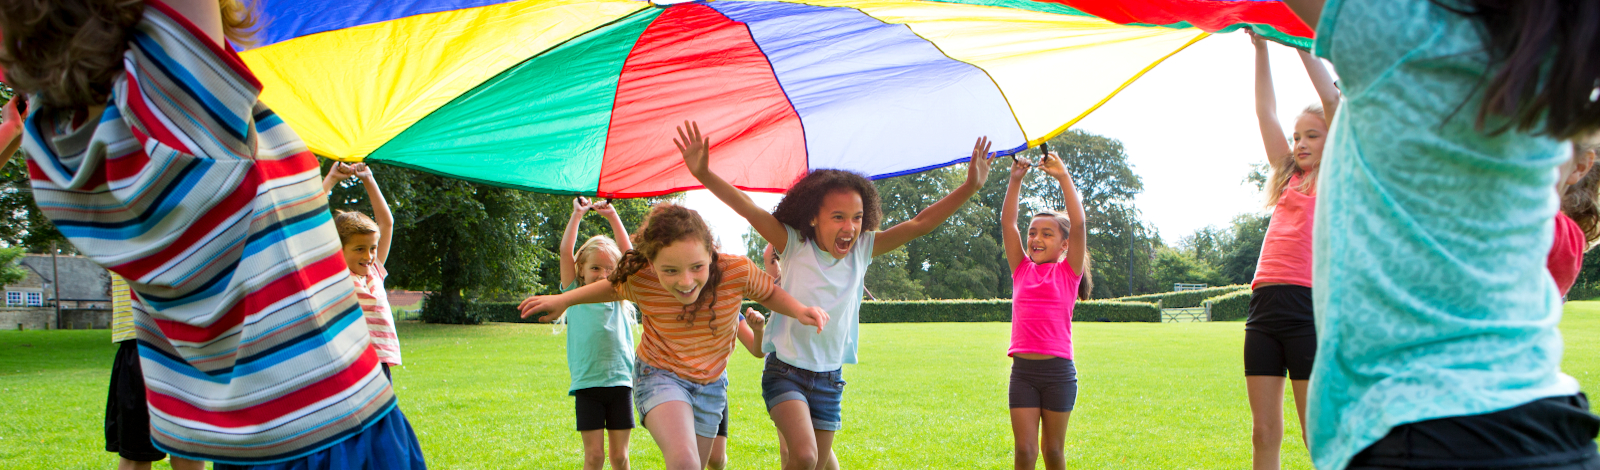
1280,336
1046,273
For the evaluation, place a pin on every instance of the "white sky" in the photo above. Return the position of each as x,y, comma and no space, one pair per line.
1188,126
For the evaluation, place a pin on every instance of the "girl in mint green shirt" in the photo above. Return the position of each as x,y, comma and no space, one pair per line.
1436,317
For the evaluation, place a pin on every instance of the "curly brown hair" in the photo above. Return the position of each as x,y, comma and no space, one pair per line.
803,200
69,52
666,224
1579,201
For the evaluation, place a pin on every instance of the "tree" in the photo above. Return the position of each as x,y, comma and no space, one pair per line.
11,270
465,241
23,225
1174,266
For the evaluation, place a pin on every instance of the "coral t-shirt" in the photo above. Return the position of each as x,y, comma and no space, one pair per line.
1286,249
1566,254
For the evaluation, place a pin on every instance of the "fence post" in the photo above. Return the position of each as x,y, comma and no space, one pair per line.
1208,310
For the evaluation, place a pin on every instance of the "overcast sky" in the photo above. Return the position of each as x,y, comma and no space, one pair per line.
1189,128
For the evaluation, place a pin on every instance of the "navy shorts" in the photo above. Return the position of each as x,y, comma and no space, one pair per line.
1051,384
823,392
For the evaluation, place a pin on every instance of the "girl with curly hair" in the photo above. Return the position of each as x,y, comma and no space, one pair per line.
826,232
689,296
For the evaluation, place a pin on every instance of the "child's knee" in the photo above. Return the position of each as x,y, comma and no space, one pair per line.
1027,449
802,458
718,462
1055,454
594,459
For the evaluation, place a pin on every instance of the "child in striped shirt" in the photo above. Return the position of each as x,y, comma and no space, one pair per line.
365,245
689,296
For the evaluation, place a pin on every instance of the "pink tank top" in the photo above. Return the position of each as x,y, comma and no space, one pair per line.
1042,296
1286,251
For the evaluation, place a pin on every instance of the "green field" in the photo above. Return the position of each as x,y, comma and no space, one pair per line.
925,396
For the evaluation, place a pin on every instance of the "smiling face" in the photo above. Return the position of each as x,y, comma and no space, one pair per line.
1046,241
838,222
597,266
682,268
1309,132
360,252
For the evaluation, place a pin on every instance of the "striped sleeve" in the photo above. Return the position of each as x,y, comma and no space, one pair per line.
756,284
188,93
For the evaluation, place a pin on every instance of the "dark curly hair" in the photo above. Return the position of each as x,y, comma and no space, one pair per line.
801,203
668,223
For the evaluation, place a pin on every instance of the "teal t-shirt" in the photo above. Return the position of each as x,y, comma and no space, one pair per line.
816,278
599,344
1431,237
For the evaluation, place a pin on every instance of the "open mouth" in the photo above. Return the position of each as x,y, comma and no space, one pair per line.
841,245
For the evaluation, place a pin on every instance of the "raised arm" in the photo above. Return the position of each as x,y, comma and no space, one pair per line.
1077,236
340,171
205,14
593,293
784,304
1272,137
696,150
380,210
750,332
932,216
1323,82
618,232
1008,215
569,239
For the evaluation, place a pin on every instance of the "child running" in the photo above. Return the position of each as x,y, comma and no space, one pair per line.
365,245
825,231
1045,278
599,341
1578,221
1436,317
689,296
1279,333
152,153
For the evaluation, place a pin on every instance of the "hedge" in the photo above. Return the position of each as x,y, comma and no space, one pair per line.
997,310
1231,306
923,311
1185,299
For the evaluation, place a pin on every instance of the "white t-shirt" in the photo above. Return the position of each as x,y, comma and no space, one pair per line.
815,278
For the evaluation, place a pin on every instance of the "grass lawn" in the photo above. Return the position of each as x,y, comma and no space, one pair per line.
925,396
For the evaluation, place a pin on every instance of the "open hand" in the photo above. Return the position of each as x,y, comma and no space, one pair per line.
1052,166
813,316
754,319
696,148
978,168
540,303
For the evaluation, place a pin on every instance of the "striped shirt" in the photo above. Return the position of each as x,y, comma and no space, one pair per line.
121,310
375,307
253,346
696,351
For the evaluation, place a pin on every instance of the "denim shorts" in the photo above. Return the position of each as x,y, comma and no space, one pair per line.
652,387
823,392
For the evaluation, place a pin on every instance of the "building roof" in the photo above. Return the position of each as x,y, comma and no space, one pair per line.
81,279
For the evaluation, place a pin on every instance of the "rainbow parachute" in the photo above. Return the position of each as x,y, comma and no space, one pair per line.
582,96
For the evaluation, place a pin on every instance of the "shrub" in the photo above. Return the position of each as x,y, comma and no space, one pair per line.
499,311
453,310
1231,306
1185,299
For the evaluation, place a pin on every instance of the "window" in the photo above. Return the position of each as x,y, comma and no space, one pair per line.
13,298
35,299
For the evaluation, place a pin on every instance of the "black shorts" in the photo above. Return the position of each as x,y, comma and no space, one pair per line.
604,408
1550,433
722,429
1051,384
127,412
1281,333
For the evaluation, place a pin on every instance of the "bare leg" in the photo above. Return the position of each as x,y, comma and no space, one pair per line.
619,448
719,454
594,449
825,458
180,463
1300,406
125,464
1266,417
793,419
671,424
1053,440
1025,433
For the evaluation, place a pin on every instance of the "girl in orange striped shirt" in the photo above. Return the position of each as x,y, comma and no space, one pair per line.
690,297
